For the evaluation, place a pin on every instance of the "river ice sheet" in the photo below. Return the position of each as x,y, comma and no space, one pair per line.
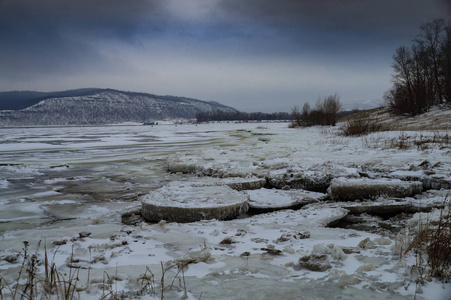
57,182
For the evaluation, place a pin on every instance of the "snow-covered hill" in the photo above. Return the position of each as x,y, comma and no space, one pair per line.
107,107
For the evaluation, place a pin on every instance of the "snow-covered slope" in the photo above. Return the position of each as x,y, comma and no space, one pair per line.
107,107
437,118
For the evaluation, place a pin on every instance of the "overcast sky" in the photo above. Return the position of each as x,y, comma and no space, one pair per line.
255,55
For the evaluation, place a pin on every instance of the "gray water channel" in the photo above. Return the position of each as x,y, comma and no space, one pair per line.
67,176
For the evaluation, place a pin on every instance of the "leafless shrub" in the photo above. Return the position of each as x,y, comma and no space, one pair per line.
325,112
362,124
296,118
332,106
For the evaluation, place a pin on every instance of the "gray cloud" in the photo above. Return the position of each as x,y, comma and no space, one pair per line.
27,10
60,37
239,52
375,15
44,52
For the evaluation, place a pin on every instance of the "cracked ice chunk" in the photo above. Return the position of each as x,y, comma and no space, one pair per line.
236,183
315,262
271,199
189,203
311,180
353,189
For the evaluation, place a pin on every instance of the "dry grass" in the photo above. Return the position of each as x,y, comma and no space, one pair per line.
147,282
362,123
50,283
30,284
439,119
411,140
439,140
432,247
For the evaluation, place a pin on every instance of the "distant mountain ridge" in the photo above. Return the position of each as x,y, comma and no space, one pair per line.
95,106
16,100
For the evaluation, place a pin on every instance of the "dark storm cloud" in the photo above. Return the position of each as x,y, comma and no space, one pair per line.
27,10
42,50
61,37
348,31
65,17
375,15
51,37
239,52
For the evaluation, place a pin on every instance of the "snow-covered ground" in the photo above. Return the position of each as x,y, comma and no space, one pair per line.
59,184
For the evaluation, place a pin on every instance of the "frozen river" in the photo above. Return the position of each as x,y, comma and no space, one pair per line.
57,182
60,174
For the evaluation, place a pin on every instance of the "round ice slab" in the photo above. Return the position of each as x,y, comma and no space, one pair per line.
193,203
271,199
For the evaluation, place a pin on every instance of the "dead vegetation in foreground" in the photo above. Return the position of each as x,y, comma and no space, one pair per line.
33,283
431,246
429,241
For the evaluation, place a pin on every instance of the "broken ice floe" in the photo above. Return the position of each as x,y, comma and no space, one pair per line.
265,200
236,183
347,189
430,179
315,262
315,178
215,167
313,181
193,203
384,209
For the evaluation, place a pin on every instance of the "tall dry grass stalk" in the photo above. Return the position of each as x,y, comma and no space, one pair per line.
432,245
32,285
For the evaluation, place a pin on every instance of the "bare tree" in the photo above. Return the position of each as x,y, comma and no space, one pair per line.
324,113
422,75
445,62
306,113
430,40
297,117
331,107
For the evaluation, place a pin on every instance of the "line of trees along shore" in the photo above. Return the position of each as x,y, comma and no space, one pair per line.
218,115
325,112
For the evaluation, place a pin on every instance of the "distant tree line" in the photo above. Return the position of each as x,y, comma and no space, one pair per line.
422,73
325,112
218,115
